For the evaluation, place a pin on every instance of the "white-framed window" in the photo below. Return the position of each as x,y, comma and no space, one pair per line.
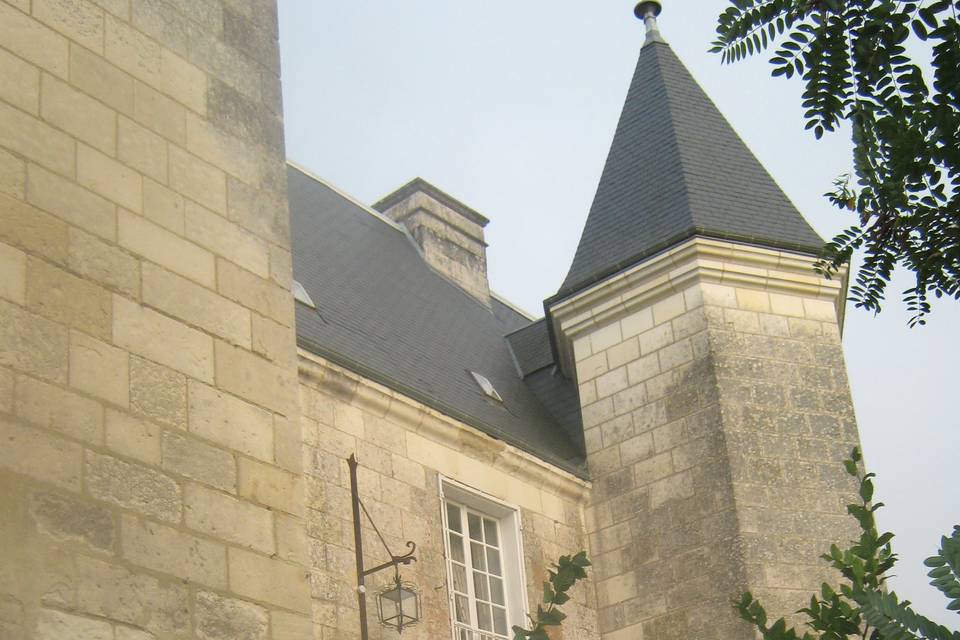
485,576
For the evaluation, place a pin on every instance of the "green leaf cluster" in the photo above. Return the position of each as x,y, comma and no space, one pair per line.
861,606
852,57
561,579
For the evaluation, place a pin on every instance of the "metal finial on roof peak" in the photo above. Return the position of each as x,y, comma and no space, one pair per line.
648,12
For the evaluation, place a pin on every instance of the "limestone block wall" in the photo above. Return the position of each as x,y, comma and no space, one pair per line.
150,481
403,448
716,417
788,422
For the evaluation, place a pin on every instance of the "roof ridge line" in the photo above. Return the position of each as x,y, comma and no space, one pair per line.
675,125
353,199
524,328
526,314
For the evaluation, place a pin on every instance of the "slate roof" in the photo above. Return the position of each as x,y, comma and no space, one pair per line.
531,346
385,314
677,168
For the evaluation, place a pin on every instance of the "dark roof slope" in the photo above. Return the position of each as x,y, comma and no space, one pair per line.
677,168
384,313
531,347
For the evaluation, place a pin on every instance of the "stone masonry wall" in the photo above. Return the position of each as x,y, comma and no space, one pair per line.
402,448
788,422
150,481
715,423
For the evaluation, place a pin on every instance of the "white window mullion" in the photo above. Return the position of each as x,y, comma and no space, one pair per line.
468,556
499,537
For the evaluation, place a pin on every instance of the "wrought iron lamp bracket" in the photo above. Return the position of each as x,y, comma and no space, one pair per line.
395,560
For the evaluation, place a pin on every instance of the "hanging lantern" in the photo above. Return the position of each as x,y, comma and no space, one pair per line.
398,605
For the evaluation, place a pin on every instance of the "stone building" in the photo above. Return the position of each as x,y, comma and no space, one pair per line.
195,335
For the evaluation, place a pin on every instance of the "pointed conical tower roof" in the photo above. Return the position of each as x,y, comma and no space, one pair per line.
676,169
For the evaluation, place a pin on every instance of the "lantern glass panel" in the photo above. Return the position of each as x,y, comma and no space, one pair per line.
399,606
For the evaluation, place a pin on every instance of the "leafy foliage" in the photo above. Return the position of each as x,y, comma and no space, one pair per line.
852,57
566,573
861,606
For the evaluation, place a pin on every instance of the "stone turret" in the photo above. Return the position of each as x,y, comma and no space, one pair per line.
712,386
150,444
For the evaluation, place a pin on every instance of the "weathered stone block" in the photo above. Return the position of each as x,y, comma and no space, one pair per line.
258,294
196,305
227,518
40,455
194,459
166,249
132,486
30,228
254,378
65,298
33,41
21,85
78,114
149,334
140,148
13,274
13,175
218,416
99,369
264,212
139,599
68,519
158,393
198,180
271,486
289,626
267,580
132,437
226,239
159,113
54,408
163,206
220,618
56,625
95,76
109,178
170,551
103,263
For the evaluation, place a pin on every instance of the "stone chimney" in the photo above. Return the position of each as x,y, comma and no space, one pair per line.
449,232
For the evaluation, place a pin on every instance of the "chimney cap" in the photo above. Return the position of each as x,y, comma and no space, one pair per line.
419,184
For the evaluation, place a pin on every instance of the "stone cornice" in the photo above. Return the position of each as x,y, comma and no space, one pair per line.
696,260
429,423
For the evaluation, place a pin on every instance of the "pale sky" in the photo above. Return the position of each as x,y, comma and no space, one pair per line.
510,106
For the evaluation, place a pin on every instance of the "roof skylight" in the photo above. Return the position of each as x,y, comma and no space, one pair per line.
486,386
300,295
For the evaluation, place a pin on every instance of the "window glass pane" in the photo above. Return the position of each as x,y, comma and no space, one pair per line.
490,530
500,620
462,608
453,518
473,521
493,561
480,586
459,578
496,590
456,548
484,619
476,554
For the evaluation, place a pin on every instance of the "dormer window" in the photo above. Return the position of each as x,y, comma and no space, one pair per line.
486,386
300,295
